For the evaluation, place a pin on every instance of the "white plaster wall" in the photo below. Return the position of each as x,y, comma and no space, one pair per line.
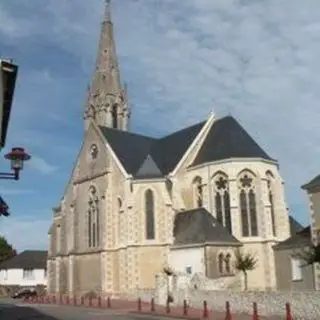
180,259
14,277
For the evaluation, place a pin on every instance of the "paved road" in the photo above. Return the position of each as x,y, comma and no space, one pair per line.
12,310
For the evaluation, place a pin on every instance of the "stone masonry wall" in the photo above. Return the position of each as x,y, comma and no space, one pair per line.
305,305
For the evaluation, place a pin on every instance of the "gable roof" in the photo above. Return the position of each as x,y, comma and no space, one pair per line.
295,226
315,182
130,148
300,239
147,157
149,169
228,139
138,153
199,226
28,259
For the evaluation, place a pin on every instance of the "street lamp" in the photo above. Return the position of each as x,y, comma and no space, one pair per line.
17,156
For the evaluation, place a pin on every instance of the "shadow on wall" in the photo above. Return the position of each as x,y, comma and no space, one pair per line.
14,313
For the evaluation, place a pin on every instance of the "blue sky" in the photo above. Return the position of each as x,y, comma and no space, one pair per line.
258,60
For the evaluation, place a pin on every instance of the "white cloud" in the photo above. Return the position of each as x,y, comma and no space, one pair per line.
25,233
258,60
41,165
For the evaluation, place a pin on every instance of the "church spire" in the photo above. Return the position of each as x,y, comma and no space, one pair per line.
107,104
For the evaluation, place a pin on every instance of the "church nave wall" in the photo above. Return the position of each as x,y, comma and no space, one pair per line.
150,262
200,186
152,214
87,273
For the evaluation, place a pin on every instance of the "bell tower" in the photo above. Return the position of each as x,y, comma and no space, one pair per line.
107,103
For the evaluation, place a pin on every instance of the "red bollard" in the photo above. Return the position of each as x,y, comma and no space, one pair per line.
288,312
168,306
255,315
74,300
205,309
99,302
108,302
139,304
82,301
185,308
90,301
228,312
67,300
152,307
61,299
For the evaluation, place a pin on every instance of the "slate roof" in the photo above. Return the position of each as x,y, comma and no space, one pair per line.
199,226
147,157
29,259
295,226
315,182
300,239
228,139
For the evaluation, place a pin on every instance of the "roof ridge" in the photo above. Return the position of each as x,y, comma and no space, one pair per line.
181,130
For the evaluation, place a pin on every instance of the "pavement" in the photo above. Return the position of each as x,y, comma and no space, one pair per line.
17,310
11,309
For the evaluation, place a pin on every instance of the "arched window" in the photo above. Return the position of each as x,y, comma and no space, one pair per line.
228,263
114,113
270,185
93,219
149,212
220,263
222,201
248,205
197,192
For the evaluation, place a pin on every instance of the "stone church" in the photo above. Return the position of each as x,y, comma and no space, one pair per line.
135,204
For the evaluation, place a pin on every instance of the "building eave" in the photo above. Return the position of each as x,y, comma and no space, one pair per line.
8,76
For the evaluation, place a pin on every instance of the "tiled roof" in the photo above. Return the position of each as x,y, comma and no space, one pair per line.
199,226
295,226
315,182
147,157
228,139
29,259
300,239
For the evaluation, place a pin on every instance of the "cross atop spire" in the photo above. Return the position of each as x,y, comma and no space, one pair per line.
107,11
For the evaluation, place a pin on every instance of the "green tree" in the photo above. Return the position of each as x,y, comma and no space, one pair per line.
245,262
6,250
311,255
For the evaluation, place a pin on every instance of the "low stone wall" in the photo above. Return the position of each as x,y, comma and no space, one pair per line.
304,305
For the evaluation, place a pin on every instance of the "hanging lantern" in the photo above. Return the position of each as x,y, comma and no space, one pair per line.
17,156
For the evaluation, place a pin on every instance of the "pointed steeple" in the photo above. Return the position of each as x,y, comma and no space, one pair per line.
107,104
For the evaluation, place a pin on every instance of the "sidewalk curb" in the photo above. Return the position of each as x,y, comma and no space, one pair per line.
166,315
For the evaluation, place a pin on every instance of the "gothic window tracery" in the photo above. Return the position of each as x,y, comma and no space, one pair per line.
270,186
222,201
198,192
149,215
93,219
248,206
224,263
